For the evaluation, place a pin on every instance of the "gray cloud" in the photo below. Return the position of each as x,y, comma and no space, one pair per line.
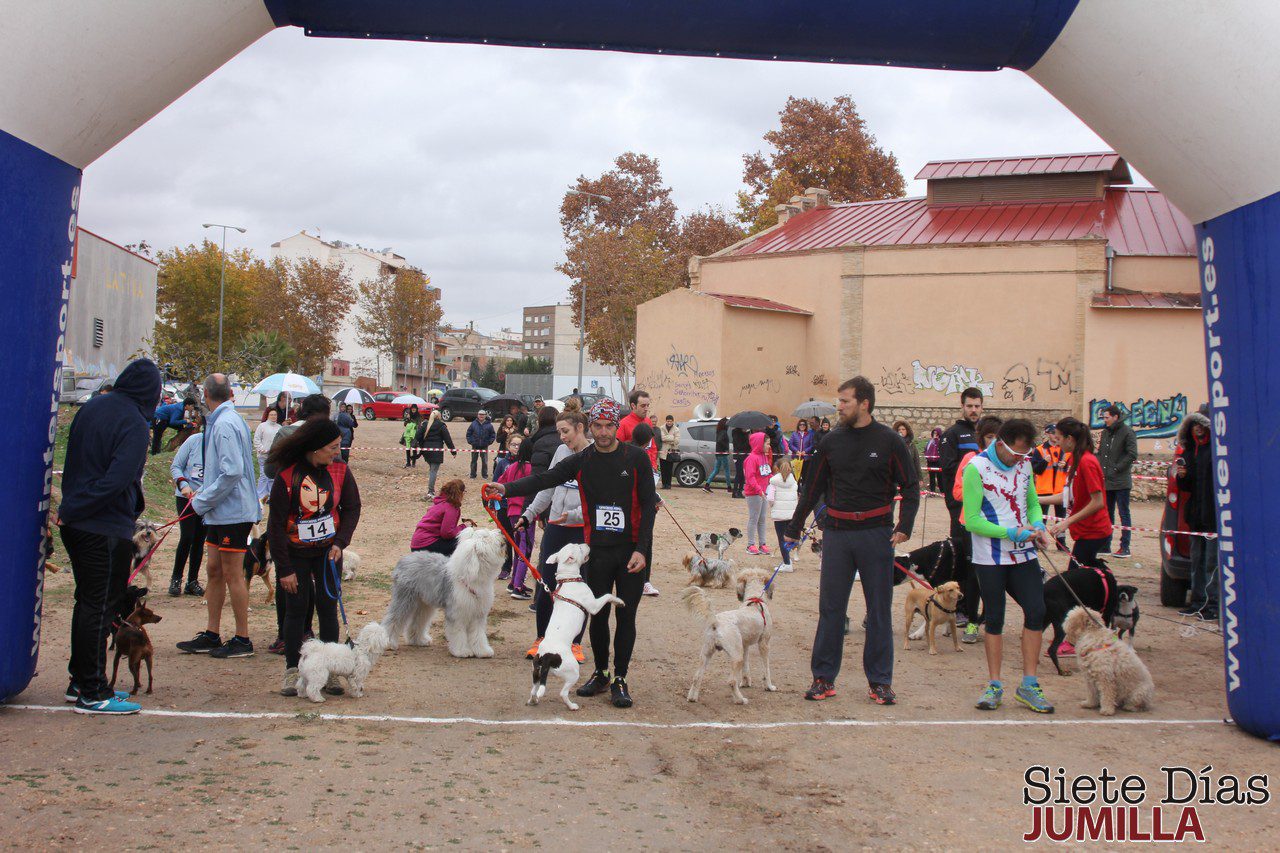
457,156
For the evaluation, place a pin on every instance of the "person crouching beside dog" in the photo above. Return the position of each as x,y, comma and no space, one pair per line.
857,469
613,478
315,507
1003,516
562,507
101,501
187,472
439,528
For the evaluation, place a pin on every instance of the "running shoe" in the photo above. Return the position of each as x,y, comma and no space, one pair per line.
961,620
290,685
650,589
596,684
882,694
73,693
1123,554
277,647
706,487
578,654
764,549
1209,614
784,568
236,647
618,693
991,698
753,550
1066,650
118,707
505,574
819,690
1033,697
332,687
193,588
1191,610
175,587
201,644
521,594
533,650
970,633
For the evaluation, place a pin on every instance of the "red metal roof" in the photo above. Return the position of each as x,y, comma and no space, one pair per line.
1147,299
1134,222
1056,164
755,302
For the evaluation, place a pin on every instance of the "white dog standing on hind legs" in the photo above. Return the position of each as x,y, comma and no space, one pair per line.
735,631
573,603
461,585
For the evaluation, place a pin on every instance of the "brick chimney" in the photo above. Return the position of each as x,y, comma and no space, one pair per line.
786,211
803,202
819,196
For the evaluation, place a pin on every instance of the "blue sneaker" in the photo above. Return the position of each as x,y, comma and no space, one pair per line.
73,693
113,705
991,698
1033,697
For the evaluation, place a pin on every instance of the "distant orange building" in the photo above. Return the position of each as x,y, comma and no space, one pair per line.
1046,281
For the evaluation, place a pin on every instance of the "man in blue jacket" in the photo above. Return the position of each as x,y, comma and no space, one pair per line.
101,501
228,503
480,436
169,416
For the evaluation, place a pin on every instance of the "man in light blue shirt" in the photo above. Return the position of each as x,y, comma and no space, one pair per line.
228,503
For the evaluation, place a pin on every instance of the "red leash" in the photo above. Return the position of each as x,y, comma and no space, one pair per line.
151,553
915,577
485,499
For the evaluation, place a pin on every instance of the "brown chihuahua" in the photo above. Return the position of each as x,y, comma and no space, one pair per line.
131,639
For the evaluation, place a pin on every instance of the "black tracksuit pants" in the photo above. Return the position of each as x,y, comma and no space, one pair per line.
309,569
607,572
191,534
100,565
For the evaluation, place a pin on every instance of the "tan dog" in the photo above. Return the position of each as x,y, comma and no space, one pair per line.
734,631
1117,677
938,606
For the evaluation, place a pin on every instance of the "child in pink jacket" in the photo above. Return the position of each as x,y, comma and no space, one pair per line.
523,537
756,471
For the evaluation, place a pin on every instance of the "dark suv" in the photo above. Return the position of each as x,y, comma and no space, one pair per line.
463,402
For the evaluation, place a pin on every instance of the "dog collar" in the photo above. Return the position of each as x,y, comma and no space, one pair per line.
759,602
558,597
562,581
934,602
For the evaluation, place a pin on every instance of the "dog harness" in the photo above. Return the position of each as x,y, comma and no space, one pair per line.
558,597
1106,588
932,602
759,602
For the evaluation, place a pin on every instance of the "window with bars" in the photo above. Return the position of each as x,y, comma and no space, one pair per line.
99,334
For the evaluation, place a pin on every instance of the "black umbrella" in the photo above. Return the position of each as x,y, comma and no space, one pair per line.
502,403
750,421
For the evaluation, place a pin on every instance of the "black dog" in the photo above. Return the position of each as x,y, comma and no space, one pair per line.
1126,615
1096,588
936,563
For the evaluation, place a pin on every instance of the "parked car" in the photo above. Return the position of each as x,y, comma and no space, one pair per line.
463,402
77,391
697,452
382,407
1175,550
588,399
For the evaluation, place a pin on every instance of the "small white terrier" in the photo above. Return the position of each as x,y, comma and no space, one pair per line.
321,660
573,601
350,564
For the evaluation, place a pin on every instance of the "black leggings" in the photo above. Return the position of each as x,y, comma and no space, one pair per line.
780,528
607,572
1084,552
554,537
309,568
965,570
190,542
1022,581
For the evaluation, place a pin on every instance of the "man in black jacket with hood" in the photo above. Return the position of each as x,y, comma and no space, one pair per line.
101,501
958,440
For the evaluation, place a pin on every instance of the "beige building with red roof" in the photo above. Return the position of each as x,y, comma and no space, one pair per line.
1048,282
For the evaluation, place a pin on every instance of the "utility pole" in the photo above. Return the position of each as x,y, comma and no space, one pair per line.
582,303
222,281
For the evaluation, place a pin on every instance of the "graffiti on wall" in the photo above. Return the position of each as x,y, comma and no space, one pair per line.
769,386
1158,418
894,380
950,380
1057,375
793,370
818,379
686,389
1017,386
682,363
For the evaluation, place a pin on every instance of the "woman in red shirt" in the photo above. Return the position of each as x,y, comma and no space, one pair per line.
1084,495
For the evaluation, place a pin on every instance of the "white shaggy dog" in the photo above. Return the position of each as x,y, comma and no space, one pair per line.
321,660
1117,678
734,631
350,564
573,601
461,585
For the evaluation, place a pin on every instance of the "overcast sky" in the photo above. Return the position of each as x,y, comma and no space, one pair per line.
457,156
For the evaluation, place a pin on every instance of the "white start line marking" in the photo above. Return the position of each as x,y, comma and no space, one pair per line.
633,724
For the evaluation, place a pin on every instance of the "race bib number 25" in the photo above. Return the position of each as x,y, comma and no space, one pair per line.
609,518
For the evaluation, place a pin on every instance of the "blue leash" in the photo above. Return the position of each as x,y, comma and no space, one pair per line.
787,548
331,566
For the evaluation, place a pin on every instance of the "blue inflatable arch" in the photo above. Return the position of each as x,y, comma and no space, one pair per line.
1185,90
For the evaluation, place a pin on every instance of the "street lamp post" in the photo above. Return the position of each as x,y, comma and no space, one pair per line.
222,280
582,303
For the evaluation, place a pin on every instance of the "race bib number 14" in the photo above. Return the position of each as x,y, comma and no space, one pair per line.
316,529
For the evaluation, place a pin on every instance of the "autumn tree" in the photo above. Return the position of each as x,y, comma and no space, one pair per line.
187,295
817,144
637,198
304,302
396,312
701,233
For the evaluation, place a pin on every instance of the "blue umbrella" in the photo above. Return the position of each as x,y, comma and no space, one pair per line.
293,383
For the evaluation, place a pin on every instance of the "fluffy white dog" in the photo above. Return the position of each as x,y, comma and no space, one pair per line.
321,660
461,585
573,602
350,564
1116,676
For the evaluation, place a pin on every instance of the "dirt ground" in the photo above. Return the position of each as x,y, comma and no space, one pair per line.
467,764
